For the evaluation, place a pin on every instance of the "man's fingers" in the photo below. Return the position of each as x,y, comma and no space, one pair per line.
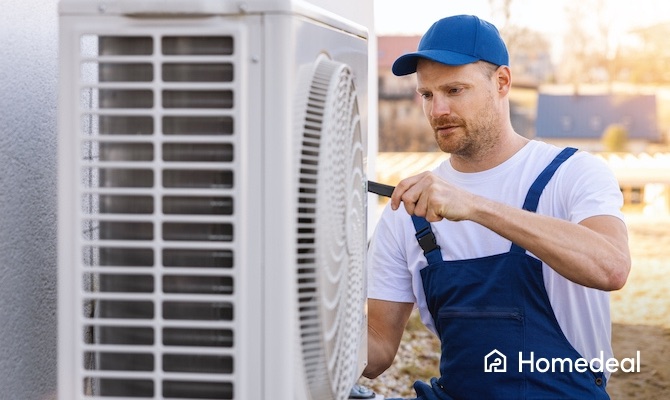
402,187
426,195
420,205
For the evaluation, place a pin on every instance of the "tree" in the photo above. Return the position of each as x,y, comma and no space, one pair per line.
615,138
649,62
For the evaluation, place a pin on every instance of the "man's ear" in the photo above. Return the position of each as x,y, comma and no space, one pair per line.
504,79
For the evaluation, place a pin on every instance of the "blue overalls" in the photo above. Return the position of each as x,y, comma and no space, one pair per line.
497,306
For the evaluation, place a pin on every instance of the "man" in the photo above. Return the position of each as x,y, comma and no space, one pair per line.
507,249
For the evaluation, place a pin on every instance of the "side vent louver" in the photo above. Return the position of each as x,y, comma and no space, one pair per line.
331,227
158,193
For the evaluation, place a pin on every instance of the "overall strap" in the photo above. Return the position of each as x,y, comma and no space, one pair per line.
536,189
426,238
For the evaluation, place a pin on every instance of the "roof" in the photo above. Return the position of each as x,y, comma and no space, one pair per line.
587,116
389,48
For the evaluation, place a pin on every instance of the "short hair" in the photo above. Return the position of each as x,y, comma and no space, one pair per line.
488,68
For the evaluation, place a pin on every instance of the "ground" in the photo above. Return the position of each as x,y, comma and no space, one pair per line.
640,316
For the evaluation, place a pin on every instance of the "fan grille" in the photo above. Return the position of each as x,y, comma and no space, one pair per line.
331,229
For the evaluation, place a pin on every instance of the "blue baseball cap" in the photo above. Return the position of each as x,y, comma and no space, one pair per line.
456,40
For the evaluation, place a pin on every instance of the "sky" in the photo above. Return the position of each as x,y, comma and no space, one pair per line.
415,16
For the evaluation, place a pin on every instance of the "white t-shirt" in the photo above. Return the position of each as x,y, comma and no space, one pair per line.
582,187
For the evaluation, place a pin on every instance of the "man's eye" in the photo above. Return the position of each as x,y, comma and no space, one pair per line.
455,90
425,95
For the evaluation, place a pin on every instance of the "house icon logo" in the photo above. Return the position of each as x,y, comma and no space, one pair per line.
495,361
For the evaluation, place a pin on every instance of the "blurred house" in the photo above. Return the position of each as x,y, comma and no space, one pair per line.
531,66
402,125
580,120
389,48
644,180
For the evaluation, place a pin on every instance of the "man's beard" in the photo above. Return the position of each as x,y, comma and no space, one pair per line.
470,139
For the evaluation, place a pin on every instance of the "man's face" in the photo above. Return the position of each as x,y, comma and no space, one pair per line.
461,105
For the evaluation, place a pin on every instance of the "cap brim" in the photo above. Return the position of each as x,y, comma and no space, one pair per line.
406,64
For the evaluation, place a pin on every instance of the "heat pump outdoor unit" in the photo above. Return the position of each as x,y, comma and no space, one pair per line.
212,204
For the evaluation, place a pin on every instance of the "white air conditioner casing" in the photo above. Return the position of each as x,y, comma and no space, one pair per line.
212,204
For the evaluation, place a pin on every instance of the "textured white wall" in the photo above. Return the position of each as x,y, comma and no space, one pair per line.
28,90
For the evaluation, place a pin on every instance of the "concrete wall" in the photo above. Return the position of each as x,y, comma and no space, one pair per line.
28,91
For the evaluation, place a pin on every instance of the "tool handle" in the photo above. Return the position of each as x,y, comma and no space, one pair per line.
380,189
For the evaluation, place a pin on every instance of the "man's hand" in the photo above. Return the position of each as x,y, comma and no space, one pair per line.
426,195
592,253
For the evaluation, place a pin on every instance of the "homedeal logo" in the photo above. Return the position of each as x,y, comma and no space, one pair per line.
495,361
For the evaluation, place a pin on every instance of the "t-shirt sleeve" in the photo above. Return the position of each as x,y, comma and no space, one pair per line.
389,277
594,189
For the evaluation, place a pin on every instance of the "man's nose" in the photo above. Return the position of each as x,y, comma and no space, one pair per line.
439,106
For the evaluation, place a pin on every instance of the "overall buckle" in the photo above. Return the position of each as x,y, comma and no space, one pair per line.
427,240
